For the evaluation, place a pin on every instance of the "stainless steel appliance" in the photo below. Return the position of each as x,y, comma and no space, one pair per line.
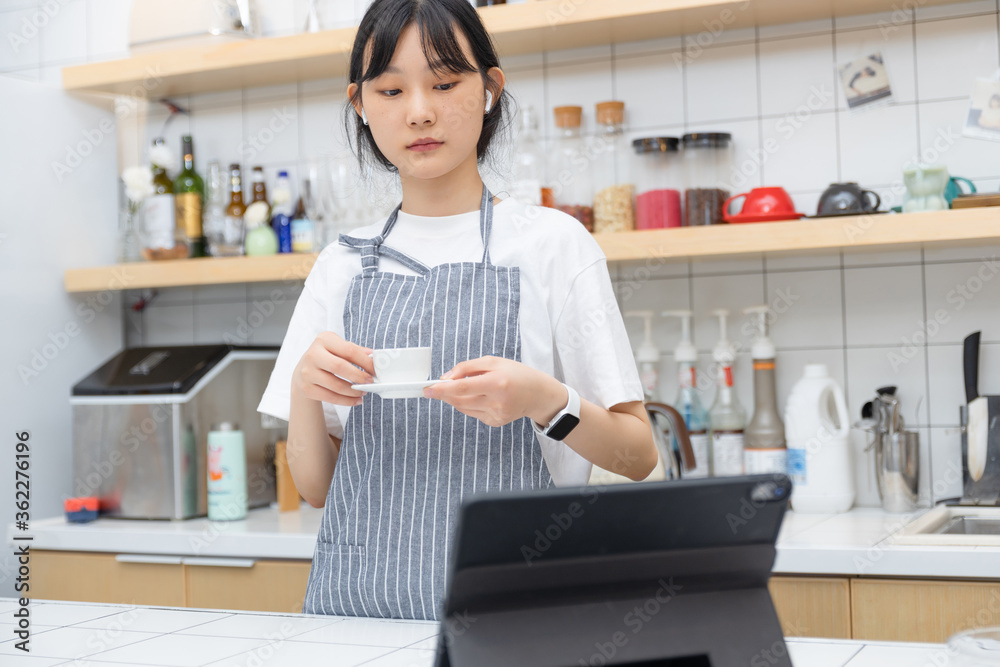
141,420
897,452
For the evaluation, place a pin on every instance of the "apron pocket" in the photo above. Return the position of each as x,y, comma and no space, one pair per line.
331,588
327,549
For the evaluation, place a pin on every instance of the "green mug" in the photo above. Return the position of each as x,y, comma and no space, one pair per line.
953,188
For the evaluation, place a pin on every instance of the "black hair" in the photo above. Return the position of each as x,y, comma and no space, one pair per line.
436,20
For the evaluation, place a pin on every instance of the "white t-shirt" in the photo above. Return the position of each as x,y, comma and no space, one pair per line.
570,324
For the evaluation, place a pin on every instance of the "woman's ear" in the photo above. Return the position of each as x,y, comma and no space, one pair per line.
496,83
356,103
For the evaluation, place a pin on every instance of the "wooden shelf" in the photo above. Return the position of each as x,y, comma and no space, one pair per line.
723,240
190,272
537,25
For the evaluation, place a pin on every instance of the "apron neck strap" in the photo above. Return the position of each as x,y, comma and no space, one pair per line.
485,223
373,247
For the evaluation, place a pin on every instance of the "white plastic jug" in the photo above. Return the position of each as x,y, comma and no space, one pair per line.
819,453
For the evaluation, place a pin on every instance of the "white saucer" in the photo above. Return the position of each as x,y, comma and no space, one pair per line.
397,389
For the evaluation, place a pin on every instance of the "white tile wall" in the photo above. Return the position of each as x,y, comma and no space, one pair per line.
863,313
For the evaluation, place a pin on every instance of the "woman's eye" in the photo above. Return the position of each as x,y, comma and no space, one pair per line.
449,85
391,93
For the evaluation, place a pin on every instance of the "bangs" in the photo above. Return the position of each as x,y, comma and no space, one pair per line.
438,40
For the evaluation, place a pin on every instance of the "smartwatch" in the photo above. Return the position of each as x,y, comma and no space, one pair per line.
564,421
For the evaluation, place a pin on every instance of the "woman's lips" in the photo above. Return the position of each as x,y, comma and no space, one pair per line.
426,147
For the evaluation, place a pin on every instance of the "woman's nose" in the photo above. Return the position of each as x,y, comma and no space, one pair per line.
420,110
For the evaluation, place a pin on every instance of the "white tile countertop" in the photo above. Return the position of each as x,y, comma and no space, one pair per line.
111,635
856,543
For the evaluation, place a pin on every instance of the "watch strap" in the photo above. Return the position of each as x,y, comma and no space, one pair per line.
565,420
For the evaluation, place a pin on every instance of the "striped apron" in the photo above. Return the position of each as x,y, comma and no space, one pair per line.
405,464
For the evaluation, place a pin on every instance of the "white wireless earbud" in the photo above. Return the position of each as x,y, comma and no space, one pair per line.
489,100
364,118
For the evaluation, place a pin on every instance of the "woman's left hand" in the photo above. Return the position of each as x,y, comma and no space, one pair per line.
497,391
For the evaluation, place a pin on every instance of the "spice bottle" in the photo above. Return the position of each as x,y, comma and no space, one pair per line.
659,177
708,162
613,210
569,173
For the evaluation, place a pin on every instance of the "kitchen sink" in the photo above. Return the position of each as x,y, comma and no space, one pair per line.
970,525
954,526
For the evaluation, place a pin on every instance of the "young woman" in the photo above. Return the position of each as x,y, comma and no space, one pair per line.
514,300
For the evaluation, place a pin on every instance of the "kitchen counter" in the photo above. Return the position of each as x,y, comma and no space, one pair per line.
857,543
110,635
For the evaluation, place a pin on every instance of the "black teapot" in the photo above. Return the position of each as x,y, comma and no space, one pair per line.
847,199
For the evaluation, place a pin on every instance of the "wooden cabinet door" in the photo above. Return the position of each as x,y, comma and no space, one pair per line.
813,606
256,585
99,577
922,611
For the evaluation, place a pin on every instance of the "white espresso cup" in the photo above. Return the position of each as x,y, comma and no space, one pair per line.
401,364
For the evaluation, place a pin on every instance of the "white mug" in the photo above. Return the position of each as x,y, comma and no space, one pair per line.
401,364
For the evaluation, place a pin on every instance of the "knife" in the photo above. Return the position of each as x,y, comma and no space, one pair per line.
977,429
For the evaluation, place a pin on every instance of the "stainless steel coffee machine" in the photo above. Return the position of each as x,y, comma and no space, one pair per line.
141,422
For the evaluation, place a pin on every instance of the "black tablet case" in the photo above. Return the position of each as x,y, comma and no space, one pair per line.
653,574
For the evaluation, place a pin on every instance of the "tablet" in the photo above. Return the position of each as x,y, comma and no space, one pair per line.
652,573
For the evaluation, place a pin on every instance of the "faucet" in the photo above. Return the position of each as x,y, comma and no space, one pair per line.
678,461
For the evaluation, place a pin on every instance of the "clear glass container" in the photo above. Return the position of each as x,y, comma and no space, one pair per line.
569,170
529,160
975,648
708,164
613,184
659,178
215,208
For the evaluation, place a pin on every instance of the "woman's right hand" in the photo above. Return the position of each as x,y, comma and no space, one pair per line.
328,369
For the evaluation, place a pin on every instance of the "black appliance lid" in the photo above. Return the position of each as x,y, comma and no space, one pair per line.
167,369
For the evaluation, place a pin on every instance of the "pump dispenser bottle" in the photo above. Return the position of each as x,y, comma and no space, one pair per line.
764,448
687,403
727,418
648,357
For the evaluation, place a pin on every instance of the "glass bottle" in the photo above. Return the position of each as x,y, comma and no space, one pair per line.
233,227
303,229
569,173
259,187
708,163
189,193
282,211
613,210
529,162
659,179
159,212
214,219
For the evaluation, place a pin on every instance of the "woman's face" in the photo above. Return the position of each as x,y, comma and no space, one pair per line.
408,103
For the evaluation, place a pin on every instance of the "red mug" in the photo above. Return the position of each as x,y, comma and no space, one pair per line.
761,201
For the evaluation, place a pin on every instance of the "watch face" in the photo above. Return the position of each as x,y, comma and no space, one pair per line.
562,427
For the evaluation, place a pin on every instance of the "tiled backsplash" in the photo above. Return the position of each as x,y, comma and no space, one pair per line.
875,318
